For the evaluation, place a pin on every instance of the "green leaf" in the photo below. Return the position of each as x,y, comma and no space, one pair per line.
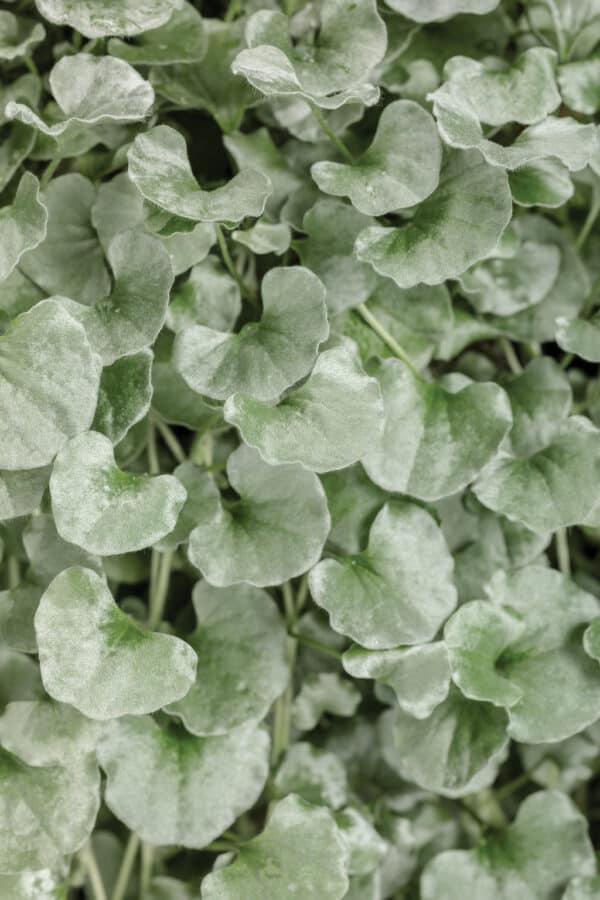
582,888
44,733
454,752
240,640
324,693
200,491
48,554
189,789
17,609
353,501
553,487
419,676
105,510
49,811
180,40
458,225
40,885
400,168
18,35
159,168
275,531
264,238
130,319
543,183
101,18
533,858
331,421
540,399
124,396
22,224
316,775
591,639
21,491
69,261
330,70
435,441
332,228
16,147
19,678
580,337
366,848
40,415
96,658
258,151
172,398
90,90
580,85
398,591
300,848
266,357
435,10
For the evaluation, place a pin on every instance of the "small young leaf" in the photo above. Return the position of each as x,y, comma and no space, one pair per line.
324,693
546,182
263,238
316,775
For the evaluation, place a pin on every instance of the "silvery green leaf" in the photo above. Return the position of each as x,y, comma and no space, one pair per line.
300,848
180,40
191,247
102,18
332,228
200,490
580,337
210,83
159,168
99,660
351,41
553,487
532,859
353,502
453,752
21,491
435,10
172,399
320,694
18,35
582,888
39,415
130,319
507,286
523,92
240,640
435,441
90,90
17,609
257,150
48,811
591,639
400,168
49,554
580,85
16,147
316,775
170,787
546,183
27,88
124,395
41,885
365,887
294,114
265,357
366,848
19,677
22,224
329,422
563,765
458,225
419,676
399,590
540,399
44,733
105,510
263,237
69,261
275,531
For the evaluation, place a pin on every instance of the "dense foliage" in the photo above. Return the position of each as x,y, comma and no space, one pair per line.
299,449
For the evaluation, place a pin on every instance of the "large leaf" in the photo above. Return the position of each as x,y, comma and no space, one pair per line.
159,168
22,224
38,415
329,422
459,224
398,591
105,510
240,640
96,658
101,18
299,849
265,357
400,168
189,789
435,441
275,531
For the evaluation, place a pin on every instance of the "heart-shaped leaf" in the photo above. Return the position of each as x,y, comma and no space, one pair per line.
391,593
101,18
96,658
105,510
190,789
240,640
275,531
22,224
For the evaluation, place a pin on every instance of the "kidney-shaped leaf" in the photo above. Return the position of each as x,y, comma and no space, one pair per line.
102,18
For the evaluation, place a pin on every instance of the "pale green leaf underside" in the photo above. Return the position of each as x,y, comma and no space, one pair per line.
101,18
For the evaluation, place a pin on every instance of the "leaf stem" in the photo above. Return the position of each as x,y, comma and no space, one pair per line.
558,30
335,140
170,440
159,587
146,860
90,864
562,551
126,867
13,572
153,463
511,357
316,645
589,222
221,846
507,789
387,338
28,60
282,712
230,265
49,172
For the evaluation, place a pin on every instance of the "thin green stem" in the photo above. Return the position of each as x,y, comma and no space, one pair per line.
562,551
231,267
387,338
567,360
302,594
90,864
506,790
170,440
159,588
222,846
511,357
288,602
335,140
592,215
13,572
126,869
282,711
49,172
153,463
316,645
146,861
31,65
232,10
